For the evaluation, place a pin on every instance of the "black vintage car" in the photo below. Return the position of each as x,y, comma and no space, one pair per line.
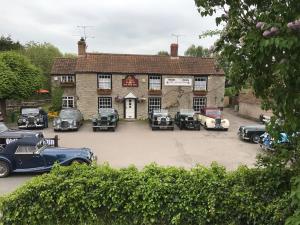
32,154
161,119
187,119
251,133
68,119
32,117
106,119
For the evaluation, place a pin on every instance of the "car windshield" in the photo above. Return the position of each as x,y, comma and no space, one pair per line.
3,127
105,111
64,114
160,112
30,111
188,112
41,145
213,112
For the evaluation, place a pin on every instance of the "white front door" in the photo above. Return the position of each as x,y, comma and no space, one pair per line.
130,108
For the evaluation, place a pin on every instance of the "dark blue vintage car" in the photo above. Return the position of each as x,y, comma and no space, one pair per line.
33,154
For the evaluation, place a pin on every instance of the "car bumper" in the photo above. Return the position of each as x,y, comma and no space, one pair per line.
104,127
162,126
243,136
65,128
31,126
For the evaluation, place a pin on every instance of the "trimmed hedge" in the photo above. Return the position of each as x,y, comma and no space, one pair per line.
156,195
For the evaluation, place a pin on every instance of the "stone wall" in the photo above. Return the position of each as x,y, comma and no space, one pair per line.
173,97
252,110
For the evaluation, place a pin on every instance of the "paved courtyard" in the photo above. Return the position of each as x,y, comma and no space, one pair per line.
135,143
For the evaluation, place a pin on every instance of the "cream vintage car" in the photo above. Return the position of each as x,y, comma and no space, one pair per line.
211,118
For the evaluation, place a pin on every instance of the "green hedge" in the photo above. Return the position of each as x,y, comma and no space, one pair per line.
156,195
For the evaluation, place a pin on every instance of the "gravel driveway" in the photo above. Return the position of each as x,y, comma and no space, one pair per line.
135,143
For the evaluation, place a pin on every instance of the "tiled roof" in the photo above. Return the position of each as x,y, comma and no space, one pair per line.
64,66
138,64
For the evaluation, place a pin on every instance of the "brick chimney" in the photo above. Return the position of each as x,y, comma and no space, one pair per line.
81,47
174,50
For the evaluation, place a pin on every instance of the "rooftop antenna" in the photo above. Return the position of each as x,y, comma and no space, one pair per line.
84,28
177,37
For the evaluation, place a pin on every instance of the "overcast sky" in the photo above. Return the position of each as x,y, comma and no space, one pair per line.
118,26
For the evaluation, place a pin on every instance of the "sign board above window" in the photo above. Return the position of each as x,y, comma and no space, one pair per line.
178,81
130,81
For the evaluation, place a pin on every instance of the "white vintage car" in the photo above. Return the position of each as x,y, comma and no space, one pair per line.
211,118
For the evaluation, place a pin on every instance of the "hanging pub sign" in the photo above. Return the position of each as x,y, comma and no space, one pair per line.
178,81
130,81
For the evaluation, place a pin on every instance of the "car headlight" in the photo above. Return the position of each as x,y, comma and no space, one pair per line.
158,119
168,119
195,117
24,120
186,119
37,120
74,123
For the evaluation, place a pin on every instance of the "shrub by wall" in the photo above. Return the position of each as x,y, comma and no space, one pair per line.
82,194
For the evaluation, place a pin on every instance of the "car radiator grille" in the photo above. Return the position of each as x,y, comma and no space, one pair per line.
64,124
218,122
31,120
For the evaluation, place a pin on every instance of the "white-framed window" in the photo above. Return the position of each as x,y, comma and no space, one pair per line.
154,103
199,103
154,82
200,83
104,81
104,102
67,79
68,102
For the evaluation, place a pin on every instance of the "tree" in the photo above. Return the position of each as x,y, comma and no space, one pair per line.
19,79
260,43
7,44
163,53
198,51
42,56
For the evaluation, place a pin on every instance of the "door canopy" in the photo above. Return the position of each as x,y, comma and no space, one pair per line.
130,95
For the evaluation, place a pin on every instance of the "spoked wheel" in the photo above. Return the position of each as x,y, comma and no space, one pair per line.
4,169
255,138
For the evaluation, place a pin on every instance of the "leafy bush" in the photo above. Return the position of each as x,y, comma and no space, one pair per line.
295,219
81,194
56,101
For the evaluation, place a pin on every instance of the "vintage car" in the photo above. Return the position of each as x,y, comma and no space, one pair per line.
187,119
161,119
106,119
267,142
211,118
32,154
264,119
9,135
251,133
68,119
32,117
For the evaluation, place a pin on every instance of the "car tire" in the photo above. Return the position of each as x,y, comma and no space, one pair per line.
225,129
4,169
198,127
205,126
94,129
255,138
113,129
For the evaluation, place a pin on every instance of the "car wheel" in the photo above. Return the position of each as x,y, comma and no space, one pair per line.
225,129
113,129
255,138
180,126
198,127
94,129
4,169
172,128
205,126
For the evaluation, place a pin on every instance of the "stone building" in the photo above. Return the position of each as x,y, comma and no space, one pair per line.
136,84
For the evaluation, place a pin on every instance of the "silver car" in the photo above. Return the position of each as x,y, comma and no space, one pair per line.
68,119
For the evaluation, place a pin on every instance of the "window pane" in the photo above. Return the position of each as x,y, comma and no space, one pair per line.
199,103
154,82
104,102
200,83
154,103
104,81
68,102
